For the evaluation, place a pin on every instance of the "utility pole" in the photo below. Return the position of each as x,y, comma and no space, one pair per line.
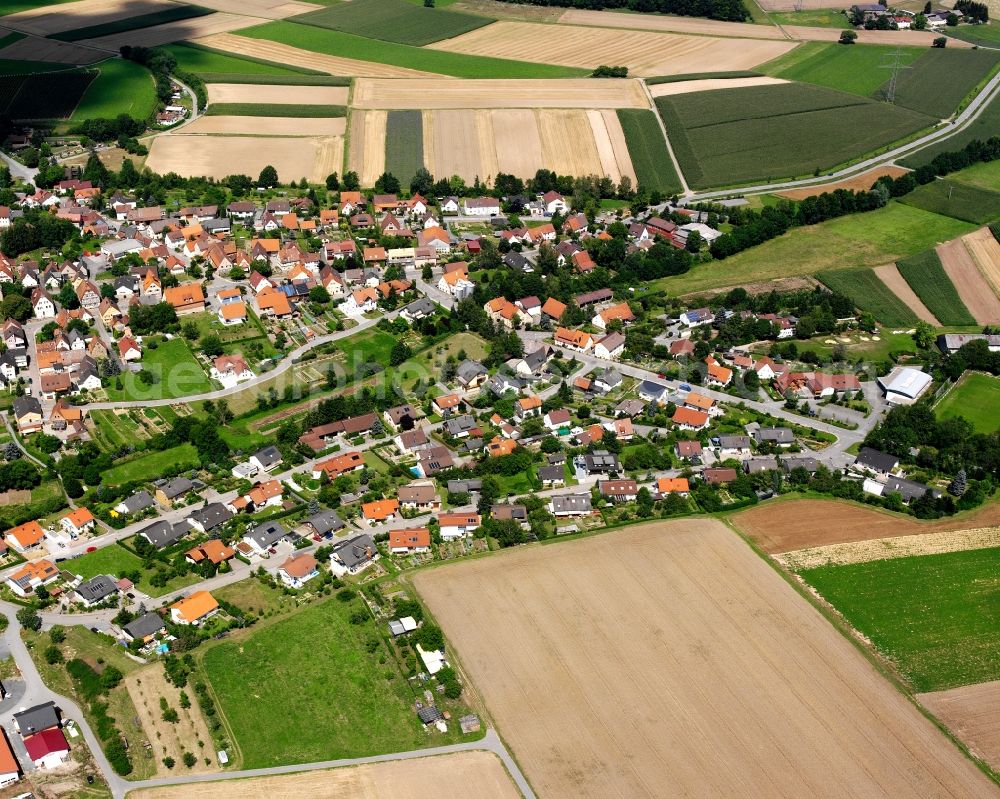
896,66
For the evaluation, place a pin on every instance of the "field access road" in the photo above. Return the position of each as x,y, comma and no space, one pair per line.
968,115
19,170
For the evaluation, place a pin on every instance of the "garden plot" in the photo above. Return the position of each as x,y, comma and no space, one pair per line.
268,94
600,692
268,126
972,287
645,54
445,93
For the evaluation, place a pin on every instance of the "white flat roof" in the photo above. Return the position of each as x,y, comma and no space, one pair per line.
906,381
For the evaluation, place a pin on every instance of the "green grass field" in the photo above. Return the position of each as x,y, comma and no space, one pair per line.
9,67
368,346
275,110
114,560
819,18
176,367
48,95
322,40
934,616
985,126
172,14
203,61
856,69
653,168
334,698
123,87
152,465
394,21
940,79
985,176
732,136
958,199
975,397
925,275
984,35
870,294
404,144
859,240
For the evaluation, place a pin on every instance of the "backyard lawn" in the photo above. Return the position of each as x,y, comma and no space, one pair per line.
115,559
975,397
175,368
152,465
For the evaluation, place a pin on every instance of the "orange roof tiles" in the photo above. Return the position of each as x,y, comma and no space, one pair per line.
380,510
196,606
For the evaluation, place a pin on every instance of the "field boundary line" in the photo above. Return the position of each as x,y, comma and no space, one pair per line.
663,129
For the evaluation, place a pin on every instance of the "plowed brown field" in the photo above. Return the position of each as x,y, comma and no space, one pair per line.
985,251
644,53
457,776
862,182
445,93
894,281
670,660
297,57
973,289
666,24
802,523
972,713
36,49
81,14
277,95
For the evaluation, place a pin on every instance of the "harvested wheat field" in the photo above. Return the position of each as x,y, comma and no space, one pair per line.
276,95
786,526
268,9
453,145
908,38
670,660
82,14
709,84
173,31
444,93
972,713
218,156
455,776
612,148
985,251
521,147
666,24
645,54
145,687
297,57
895,282
366,154
269,126
973,289
35,49
862,182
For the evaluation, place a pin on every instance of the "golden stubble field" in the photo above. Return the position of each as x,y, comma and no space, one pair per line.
985,251
670,660
890,275
277,94
973,287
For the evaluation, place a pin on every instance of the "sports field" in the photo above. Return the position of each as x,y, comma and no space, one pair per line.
555,638
931,615
733,136
976,398
650,160
925,275
394,21
870,294
956,198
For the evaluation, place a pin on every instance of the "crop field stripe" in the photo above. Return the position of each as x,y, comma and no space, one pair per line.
986,125
956,199
204,60
276,110
394,21
926,276
123,87
132,23
940,79
404,144
274,80
345,45
50,95
738,73
653,168
869,294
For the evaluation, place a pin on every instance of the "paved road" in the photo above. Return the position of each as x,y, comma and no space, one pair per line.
19,170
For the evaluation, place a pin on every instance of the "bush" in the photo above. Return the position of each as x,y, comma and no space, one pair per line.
29,619
189,759
53,655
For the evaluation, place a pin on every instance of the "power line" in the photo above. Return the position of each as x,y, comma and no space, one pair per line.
896,66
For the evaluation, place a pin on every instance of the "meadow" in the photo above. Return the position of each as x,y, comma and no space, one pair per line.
394,21
956,198
345,45
984,175
151,465
205,61
985,126
934,616
732,136
858,69
177,371
404,144
122,87
975,397
926,276
857,240
870,294
938,81
653,168
818,18
304,110
172,14
983,35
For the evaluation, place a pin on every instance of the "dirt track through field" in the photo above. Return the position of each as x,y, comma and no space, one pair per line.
268,9
193,28
985,251
36,49
277,95
779,527
670,660
48,19
974,291
297,57
269,126
894,281
446,93
645,54
972,712
367,145
458,776
862,182
666,24
709,84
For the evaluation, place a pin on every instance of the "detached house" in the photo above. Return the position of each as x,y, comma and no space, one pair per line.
353,555
195,609
410,540
458,525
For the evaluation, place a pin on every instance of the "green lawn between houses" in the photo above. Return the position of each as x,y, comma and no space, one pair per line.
179,373
305,689
976,398
114,560
152,465
934,616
